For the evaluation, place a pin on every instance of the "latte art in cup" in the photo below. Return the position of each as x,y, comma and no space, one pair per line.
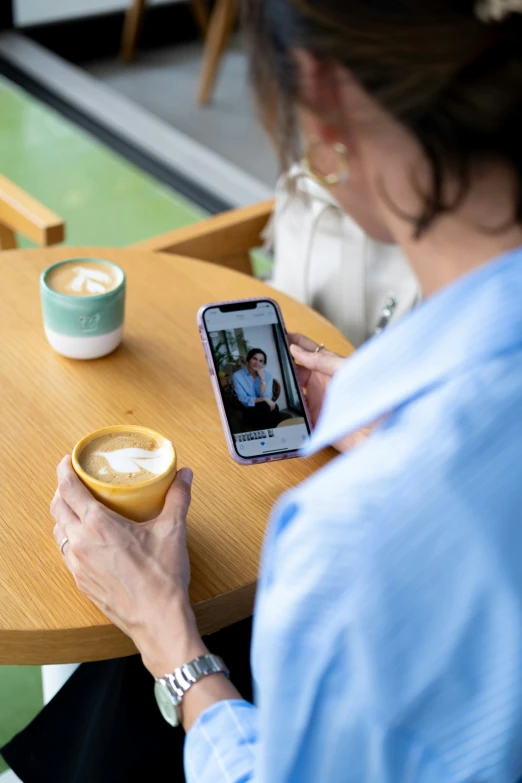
82,278
128,468
126,458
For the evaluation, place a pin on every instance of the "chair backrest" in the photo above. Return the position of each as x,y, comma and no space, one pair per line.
224,239
20,212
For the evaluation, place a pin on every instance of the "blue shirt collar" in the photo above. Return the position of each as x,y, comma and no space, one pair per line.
445,334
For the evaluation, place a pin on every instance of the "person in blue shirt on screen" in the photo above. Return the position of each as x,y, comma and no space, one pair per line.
253,386
387,643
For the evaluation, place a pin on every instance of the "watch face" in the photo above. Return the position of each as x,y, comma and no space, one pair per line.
166,703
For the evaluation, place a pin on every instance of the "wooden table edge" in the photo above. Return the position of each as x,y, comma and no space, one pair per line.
82,645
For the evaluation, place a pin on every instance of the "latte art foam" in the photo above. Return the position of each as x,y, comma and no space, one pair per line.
126,457
83,278
132,461
90,281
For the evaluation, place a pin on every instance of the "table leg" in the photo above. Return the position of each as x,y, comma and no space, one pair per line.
54,677
219,32
131,29
201,15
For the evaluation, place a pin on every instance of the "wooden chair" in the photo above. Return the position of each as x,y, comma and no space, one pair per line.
224,239
216,30
21,212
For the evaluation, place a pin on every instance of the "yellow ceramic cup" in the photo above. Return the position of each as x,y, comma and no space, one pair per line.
142,501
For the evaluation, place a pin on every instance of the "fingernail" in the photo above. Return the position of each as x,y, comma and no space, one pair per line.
186,475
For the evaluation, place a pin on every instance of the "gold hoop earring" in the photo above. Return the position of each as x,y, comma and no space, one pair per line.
327,180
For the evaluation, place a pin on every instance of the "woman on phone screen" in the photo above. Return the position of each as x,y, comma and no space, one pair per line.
253,386
388,628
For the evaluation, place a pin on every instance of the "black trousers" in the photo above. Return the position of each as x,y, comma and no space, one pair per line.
104,725
260,417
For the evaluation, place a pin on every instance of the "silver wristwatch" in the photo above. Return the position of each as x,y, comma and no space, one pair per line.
170,689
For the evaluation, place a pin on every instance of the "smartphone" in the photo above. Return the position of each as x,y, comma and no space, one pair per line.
262,407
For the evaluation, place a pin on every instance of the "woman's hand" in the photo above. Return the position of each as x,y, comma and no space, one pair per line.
137,573
315,373
315,370
271,404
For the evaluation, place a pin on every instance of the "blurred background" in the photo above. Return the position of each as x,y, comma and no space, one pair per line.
126,118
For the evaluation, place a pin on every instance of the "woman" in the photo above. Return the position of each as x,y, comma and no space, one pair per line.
387,642
253,386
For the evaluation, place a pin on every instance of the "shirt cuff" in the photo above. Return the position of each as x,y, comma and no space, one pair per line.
220,746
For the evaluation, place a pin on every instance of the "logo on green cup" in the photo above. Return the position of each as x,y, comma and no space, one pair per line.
89,323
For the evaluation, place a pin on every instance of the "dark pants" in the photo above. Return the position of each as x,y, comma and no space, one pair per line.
104,725
260,417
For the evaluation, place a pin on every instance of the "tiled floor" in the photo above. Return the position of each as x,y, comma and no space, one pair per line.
9,777
104,201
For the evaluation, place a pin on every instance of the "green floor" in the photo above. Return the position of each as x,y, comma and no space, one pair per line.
20,700
104,200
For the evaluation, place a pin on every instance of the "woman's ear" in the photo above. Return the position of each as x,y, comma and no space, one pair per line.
319,85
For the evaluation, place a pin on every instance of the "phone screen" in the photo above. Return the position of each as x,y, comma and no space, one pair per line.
261,397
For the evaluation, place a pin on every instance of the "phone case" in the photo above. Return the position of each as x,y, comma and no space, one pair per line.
217,390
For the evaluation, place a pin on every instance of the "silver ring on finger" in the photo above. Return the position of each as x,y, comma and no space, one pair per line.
319,348
65,540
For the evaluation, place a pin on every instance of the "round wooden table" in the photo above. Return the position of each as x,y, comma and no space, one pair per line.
158,377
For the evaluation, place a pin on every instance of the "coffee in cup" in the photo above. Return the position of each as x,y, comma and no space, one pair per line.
83,278
83,304
128,468
125,457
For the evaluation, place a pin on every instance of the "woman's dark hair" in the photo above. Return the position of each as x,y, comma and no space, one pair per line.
253,352
454,81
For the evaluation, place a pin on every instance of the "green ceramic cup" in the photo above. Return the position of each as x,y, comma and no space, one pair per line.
83,327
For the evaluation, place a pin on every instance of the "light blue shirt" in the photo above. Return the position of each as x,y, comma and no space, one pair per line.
388,628
248,389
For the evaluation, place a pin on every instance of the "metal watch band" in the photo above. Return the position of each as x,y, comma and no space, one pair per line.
187,675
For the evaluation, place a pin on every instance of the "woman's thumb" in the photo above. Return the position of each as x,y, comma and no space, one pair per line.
178,497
